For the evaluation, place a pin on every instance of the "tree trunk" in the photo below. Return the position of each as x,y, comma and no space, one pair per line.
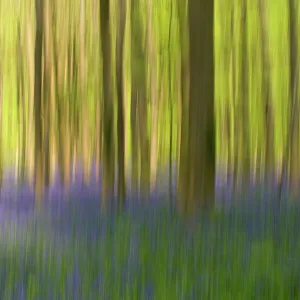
120,95
1,110
108,152
182,182
267,94
85,140
21,108
30,124
294,102
48,99
152,64
201,120
38,118
244,116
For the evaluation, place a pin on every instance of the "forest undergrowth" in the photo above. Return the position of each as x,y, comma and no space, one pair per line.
148,252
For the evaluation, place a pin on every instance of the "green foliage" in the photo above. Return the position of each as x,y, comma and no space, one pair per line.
154,255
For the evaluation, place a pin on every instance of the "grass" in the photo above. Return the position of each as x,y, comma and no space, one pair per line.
151,255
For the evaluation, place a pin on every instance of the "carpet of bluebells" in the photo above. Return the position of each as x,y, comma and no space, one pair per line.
67,249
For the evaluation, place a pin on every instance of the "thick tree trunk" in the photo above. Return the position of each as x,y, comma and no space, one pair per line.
201,121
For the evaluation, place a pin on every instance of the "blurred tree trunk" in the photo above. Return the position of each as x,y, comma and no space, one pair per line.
38,117
184,107
294,102
244,111
139,110
1,111
200,175
48,82
152,65
75,119
120,95
235,147
30,123
60,65
53,93
233,170
228,136
21,117
98,83
137,58
170,107
224,61
85,137
73,92
267,92
108,151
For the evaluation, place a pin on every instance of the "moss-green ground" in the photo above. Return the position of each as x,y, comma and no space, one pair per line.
149,253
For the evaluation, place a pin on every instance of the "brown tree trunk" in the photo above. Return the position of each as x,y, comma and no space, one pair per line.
21,108
244,116
152,64
171,110
1,106
294,160
120,95
267,94
108,151
30,124
63,139
139,111
85,140
38,118
48,98
201,120
182,182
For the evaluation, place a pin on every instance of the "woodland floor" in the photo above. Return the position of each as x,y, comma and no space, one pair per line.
69,250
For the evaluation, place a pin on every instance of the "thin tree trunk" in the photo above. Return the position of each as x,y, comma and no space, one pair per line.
294,160
108,151
171,109
48,62
182,184
39,163
30,124
21,107
85,140
267,93
1,111
245,98
152,64
120,95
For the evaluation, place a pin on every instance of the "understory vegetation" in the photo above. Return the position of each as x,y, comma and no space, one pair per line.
151,253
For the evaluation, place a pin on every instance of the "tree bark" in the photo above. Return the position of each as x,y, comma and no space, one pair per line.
38,117
267,93
201,121
120,95
108,151
294,102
